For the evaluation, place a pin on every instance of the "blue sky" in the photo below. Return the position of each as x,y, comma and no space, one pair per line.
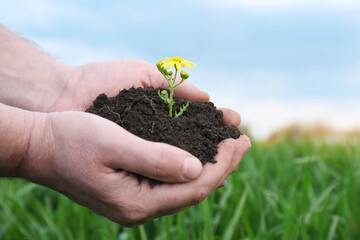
276,62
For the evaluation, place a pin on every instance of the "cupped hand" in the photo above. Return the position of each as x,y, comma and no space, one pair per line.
92,160
84,83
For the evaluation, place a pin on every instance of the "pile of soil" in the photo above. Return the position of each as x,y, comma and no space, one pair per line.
142,112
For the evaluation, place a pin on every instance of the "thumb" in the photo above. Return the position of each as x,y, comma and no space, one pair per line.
158,161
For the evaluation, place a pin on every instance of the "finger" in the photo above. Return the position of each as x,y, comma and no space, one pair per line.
230,117
242,147
187,194
158,161
172,196
189,91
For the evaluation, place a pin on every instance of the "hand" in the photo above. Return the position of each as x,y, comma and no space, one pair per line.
79,155
84,83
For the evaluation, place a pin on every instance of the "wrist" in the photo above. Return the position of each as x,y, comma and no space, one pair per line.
33,165
29,78
16,128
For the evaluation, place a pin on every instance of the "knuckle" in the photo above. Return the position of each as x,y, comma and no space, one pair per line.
121,210
127,213
130,218
126,220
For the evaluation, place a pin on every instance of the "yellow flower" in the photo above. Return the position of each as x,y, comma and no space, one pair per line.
178,62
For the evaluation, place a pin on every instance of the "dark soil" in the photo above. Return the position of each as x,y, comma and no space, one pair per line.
142,112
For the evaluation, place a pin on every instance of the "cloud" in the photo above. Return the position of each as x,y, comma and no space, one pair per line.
266,117
259,82
268,101
353,78
285,5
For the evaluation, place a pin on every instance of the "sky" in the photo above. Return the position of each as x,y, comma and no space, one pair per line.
277,63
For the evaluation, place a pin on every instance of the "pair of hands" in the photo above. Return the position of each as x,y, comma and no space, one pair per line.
78,154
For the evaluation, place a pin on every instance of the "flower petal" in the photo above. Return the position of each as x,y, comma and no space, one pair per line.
169,64
190,62
177,61
188,65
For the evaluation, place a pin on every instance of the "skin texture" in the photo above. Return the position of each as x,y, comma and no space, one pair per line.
79,154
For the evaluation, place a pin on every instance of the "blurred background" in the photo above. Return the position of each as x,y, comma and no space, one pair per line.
278,63
291,68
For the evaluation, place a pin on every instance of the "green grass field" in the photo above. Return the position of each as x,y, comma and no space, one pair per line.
287,190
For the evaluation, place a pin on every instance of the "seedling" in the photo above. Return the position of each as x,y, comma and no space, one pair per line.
177,63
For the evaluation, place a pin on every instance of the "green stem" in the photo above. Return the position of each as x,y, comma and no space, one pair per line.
168,79
171,101
172,93
179,83
174,79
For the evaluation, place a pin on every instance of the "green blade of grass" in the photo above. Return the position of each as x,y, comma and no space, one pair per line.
142,233
236,217
334,224
317,204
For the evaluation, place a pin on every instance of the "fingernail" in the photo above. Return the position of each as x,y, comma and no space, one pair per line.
192,168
